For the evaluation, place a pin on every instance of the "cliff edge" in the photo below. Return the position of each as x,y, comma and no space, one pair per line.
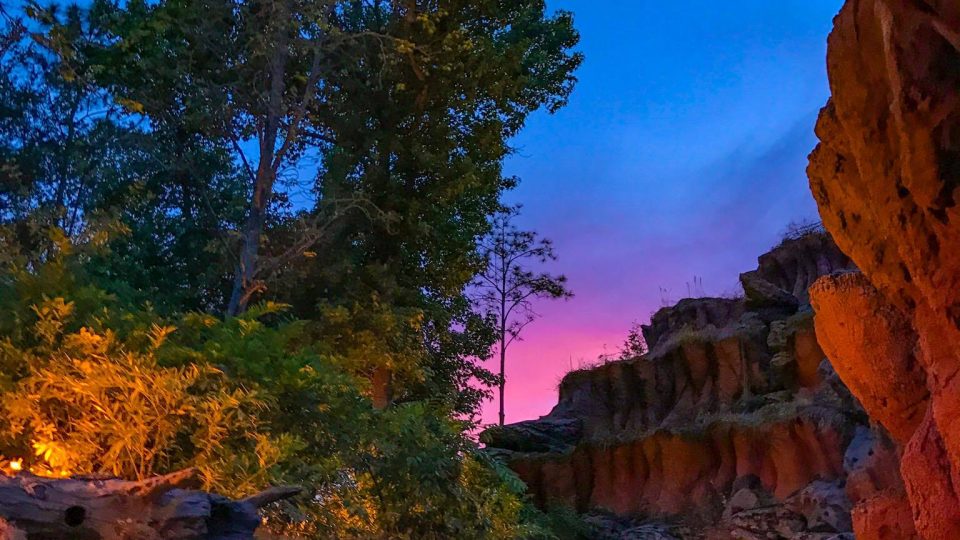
886,177
733,424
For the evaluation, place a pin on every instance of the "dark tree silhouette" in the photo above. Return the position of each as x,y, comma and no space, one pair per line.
508,286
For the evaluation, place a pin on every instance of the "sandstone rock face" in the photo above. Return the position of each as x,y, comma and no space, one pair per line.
806,515
885,516
886,177
871,463
867,350
930,486
881,510
733,424
671,473
691,314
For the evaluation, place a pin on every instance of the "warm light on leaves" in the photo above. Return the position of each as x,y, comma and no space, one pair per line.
131,105
127,413
158,334
17,465
249,401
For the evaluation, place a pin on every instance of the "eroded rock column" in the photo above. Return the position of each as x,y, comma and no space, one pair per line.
886,177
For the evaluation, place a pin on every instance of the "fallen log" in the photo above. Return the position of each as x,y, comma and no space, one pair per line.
91,508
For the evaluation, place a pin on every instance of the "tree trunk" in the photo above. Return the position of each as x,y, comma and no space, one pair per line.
503,375
245,284
382,383
244,279
505,272
85,508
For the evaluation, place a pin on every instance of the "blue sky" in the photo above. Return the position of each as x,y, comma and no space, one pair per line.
682,153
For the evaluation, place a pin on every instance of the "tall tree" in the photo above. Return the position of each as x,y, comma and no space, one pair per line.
244,76
54,130
70,153
349,82
508,286
413,110
405,107
420,125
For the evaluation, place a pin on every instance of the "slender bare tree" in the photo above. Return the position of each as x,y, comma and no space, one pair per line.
508,286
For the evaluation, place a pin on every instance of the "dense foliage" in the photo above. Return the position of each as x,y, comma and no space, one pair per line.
94,386
241,240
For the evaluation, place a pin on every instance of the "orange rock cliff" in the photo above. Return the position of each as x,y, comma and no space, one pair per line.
733,424
826,403
886,177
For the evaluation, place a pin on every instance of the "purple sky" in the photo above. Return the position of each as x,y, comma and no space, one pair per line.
681,154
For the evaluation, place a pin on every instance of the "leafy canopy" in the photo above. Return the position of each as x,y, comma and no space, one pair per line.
338,161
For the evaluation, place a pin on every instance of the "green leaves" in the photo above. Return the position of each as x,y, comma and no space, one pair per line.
127,415
250,401
131,180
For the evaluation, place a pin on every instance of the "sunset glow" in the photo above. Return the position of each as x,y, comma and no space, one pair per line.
650,178
321,269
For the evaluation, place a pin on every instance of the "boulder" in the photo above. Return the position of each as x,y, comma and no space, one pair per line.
868,341
549,434
886,177
760,293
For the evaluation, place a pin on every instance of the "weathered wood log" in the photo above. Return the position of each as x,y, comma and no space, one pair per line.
89,508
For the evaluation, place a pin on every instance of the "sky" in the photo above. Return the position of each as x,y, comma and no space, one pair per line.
681,154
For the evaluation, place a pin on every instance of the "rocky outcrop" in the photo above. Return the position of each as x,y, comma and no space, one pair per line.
691,314
886,177
669,473
816,512
869,348
881,510
608,527
165,507
733,425
798,262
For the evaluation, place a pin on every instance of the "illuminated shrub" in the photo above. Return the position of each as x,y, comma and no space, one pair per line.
94,384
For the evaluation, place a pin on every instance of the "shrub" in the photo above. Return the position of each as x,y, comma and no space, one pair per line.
93,384
799,229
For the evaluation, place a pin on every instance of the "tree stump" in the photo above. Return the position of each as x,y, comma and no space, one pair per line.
90,508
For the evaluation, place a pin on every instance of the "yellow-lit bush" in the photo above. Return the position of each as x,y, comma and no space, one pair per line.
92,404
95,384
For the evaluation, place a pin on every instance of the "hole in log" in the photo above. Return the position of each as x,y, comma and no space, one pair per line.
75,515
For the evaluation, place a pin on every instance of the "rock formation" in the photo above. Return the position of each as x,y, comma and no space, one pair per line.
886,177
879,340
164,507
733,425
